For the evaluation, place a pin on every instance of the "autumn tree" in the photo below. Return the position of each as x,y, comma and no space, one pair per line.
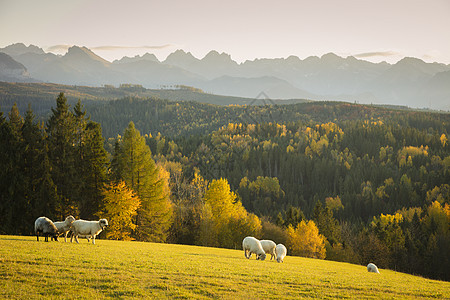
305,240
225,221
135,166
120,206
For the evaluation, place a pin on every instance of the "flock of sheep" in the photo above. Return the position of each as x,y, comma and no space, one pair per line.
263,247
90,229
79,228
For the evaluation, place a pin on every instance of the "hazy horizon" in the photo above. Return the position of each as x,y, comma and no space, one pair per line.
374,31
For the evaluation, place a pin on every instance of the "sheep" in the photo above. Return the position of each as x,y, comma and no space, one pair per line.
253,245
87,228
281,252
269,247
64,226
45,226
372,268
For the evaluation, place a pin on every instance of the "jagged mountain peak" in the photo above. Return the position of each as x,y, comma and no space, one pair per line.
216,58
146,57
20,48
83,53
180,55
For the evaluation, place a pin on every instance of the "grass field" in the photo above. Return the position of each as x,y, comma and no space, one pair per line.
114,269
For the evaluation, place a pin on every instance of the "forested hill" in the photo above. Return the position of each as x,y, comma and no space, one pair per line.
42,96
185,118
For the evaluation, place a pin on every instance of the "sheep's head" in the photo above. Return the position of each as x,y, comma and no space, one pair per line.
69,220
262,256
103,223
279,259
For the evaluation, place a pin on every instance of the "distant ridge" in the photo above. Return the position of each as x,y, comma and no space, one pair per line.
410,82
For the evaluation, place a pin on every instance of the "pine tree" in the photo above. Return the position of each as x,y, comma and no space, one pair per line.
7,162
38,186
92,170
15,120
61,137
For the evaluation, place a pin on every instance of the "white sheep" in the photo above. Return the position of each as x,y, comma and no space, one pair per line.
87,228
281,252
64,226
372,268
45,226
269,247
253,245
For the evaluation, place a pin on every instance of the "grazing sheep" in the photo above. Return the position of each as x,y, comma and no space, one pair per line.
45,226
253,245
372,268
269,247
281,252
64,226
87,228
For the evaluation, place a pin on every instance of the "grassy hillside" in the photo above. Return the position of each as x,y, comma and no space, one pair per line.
112,269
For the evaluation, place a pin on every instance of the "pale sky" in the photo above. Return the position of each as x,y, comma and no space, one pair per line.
374,30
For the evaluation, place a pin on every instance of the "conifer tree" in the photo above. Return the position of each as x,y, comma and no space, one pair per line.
7,163
92,170
38,186
137,168
61,135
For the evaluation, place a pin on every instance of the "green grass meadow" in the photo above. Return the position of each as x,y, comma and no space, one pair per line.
123,270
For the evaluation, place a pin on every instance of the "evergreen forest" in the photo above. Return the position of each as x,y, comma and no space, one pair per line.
330,180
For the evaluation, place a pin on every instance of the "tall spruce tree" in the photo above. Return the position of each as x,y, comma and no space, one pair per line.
7,162
38,187
134,164
18,204
93,169
61,137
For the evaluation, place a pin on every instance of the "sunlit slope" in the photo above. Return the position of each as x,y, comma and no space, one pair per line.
115,269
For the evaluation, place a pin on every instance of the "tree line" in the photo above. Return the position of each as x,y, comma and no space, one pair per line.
371,185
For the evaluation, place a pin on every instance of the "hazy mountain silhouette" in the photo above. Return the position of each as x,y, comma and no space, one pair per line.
12,71
146,56
410,81
273,87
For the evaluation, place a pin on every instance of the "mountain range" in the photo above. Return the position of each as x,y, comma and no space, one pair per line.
411,81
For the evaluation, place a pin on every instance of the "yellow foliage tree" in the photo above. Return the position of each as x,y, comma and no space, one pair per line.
225,222
305,240
120,207
444,140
